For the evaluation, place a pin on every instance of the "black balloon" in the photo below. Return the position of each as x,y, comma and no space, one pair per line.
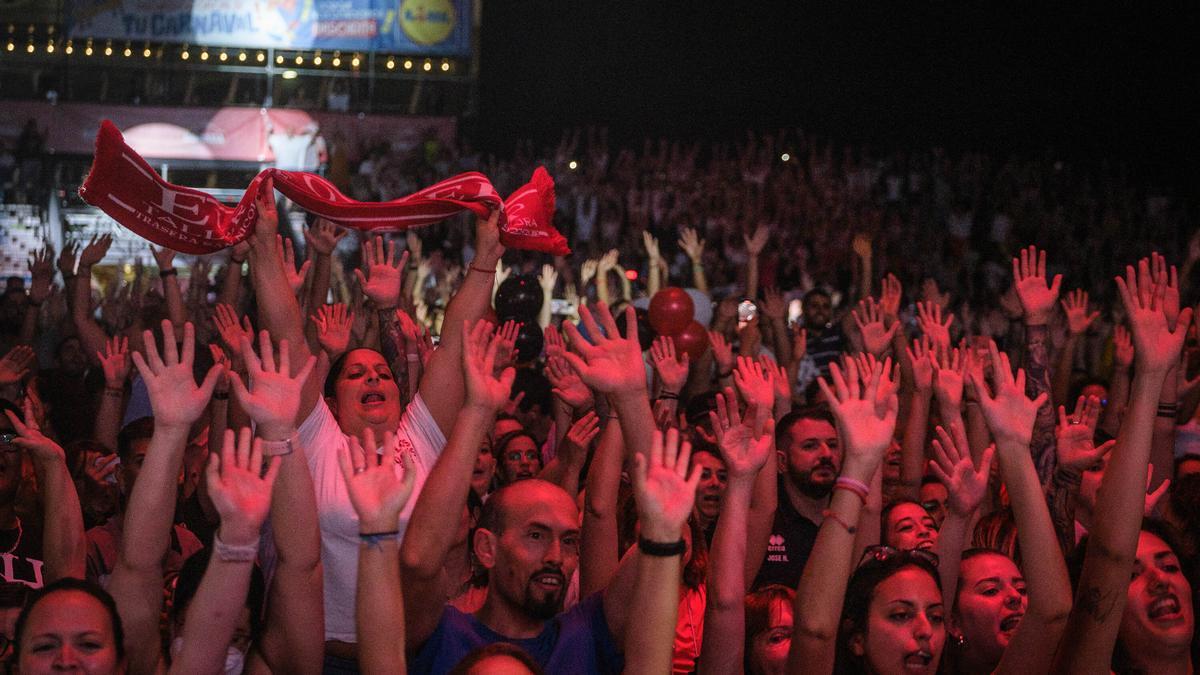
530,341
646,334
519,296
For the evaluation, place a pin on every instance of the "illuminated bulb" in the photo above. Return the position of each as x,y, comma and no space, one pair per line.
572,165
146,52
223,56
184,55
10,46
50,47
299,59
408,64
427,67
261,57
107,51
70,49
317,60
289,74
241,56
88,50
354,61
204,55
445,66
128,52
785,157
337,61
391,64
279,59
29,48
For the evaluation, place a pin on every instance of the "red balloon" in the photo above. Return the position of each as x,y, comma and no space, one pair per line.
671,310
693,340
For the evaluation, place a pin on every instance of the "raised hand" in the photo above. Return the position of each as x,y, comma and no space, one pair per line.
30,437
1075,306
758,241
672,372
861,245
583,432
68,258
267,224
1029,279
611,364
1008,412
174,396
779,377
548,279
692,244
889,299
323,237
231,332
484,388
412,244
240,491
651,245
566,385
506,342
416,337
384,272
722,351
1074,436
745,443
870,321
15,365
929,318
273,397
95,251
865,426
1157,347
965,482
287,253
114,361
333,328
376,492
1122,347
41,270
949,368
164,257
662,488
555,347
921,354
755,383
773,306
1168,278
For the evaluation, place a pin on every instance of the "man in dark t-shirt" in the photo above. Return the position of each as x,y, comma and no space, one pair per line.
810,458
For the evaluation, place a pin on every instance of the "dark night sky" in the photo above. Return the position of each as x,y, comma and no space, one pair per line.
1115,83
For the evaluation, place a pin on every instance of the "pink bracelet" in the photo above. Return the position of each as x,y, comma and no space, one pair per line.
854,485
232,553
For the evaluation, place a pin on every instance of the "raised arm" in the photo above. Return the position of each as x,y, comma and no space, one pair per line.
865,425
1100,600
137,578
598,557
1011,417
693,246
79,290
41,271
916,423
231,276
664,492
165,259
378,497
1075,307
114,361
241,493
63,542
746,444
1038,296
966,483
294,638
1077,452
444,494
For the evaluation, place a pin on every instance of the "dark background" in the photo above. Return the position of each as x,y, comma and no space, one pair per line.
1081,82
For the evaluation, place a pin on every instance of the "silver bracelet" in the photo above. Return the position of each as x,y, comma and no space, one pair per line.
229,553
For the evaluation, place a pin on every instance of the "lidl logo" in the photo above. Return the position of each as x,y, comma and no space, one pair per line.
427,22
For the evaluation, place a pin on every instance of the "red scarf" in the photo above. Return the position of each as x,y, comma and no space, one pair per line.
124,186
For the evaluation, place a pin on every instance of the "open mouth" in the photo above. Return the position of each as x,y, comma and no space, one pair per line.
372,398
1010,622
925,545
918,662
1166,607
522,475
550,581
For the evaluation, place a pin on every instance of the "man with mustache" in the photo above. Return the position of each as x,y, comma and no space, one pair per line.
810,459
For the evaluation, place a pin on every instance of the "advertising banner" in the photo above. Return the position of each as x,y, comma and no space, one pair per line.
419,27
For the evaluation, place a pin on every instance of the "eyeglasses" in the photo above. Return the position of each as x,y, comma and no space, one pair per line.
882,553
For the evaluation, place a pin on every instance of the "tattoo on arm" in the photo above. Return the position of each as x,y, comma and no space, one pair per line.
1037,370
1097,603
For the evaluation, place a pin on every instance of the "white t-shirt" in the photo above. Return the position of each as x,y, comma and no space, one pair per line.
322,440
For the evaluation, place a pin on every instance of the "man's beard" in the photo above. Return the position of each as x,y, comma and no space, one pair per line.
804,482
547,606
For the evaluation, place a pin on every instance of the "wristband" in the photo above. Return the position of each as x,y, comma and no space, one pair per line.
230,553
412,357
660,550
163,274
278,448
480,269
851,490
838,519
854,485
669,396
377,538
114,392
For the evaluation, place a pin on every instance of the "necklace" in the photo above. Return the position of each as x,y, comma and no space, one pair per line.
20,531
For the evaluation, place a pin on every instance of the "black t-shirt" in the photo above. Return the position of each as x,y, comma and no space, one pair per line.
791,542
21,567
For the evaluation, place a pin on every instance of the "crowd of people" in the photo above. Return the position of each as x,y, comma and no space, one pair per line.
903,444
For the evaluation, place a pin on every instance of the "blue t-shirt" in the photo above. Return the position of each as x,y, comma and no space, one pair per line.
576,641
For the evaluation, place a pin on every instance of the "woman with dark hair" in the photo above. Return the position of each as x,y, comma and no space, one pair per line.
518,457
69,623
768,630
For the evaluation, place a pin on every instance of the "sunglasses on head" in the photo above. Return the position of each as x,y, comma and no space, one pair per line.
880,553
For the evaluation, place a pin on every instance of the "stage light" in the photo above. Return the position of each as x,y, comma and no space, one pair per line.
317,59
261,57
70,48
10,46
50,47
445,66
631,275
279,59
289,75
204,55
108,48
29,48
87,50
572,165
184,54
128,52
241,56
785,157
337,61
355,61
427,66
299,59
223,56
146,51
408,64
391,63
